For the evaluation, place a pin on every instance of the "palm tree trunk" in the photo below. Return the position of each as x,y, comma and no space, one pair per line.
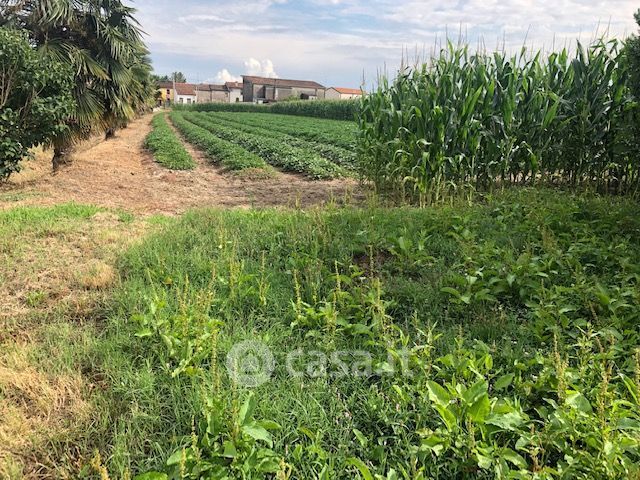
60,157
110,133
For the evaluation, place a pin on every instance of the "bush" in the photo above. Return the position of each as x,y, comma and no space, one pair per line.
167,148
35,103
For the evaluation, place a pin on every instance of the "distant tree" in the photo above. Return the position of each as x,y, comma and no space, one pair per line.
178,77
160,78
633,52
101,41
35,99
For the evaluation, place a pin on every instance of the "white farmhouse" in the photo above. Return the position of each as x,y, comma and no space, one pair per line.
339,93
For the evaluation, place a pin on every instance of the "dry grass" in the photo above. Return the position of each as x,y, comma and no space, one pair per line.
53,279
36,406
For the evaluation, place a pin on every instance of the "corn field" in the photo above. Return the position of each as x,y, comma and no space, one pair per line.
473,121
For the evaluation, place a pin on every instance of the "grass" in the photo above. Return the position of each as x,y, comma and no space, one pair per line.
167,148
528,280
504,307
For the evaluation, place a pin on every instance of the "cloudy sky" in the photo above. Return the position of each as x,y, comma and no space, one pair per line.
337,42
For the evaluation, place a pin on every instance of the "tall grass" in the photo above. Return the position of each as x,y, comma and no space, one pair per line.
475,120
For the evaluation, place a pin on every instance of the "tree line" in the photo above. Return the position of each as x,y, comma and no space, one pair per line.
69,69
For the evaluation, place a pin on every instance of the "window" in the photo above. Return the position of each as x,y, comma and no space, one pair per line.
237,99
181,100
168,91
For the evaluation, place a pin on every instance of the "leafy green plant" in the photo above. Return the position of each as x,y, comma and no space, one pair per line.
166,147
218,150
273,151
470,121
36,100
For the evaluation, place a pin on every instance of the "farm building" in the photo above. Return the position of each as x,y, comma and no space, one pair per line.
261,89
165,89
209,93
235,91
185,93
339,93
230,92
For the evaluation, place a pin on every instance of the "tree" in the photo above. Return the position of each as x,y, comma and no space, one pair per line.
35,99
101,42
178,77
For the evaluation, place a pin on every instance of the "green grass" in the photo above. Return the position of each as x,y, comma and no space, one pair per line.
517,316
530,298
167,148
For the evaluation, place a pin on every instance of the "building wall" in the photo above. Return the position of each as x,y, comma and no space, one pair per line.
310,92
212,96
184,99
166,95
235,95
333,94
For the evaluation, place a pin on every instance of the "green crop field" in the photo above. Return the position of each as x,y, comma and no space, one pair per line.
317,148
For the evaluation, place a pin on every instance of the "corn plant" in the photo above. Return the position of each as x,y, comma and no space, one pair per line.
474,121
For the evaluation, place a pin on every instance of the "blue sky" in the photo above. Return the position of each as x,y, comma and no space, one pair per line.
338,42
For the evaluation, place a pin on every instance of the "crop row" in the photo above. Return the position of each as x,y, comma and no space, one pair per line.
219,150
273,151
335,132
167,148
261,126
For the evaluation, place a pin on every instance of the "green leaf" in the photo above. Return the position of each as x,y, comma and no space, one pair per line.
246,411
480,409
504,381
579,402
515,458
438,394
362,468
473,393
362,439
258,433
151,476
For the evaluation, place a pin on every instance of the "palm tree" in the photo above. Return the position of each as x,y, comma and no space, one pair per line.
102,42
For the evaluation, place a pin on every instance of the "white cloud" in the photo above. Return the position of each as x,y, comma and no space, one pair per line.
224,76
366,35
259,68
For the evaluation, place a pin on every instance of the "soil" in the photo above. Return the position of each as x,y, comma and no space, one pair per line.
120,173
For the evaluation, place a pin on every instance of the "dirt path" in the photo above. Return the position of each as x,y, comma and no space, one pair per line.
120,174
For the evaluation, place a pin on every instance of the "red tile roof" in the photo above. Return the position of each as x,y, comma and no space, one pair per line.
348,91
185,89
231,85
282,82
